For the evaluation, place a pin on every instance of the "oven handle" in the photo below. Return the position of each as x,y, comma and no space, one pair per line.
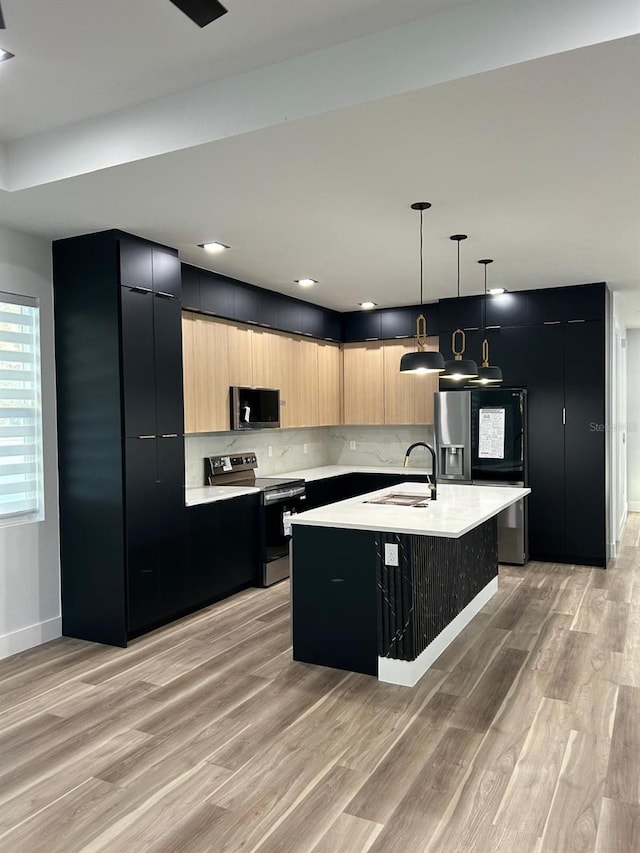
279,497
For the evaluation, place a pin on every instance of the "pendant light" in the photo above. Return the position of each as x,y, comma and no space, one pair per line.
487,375
422,360
459,368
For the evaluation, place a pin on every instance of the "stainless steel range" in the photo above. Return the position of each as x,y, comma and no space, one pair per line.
280,498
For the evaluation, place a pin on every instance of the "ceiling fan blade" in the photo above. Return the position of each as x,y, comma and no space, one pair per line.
201,12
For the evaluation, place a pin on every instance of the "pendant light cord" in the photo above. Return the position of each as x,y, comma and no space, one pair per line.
458,269
421,262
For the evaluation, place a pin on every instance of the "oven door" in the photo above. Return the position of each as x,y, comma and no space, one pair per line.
277,536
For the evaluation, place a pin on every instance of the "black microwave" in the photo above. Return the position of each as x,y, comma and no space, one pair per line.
254,408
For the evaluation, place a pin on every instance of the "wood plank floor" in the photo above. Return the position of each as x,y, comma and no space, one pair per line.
206,736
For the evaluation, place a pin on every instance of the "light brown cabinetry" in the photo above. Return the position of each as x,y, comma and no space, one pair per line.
408,399
364,383
320,383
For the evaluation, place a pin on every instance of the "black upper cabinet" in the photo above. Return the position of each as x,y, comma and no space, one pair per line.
290,316
313,322
136,263
167,278
361,326
138,361
217,295
462,313
168,366
190,288
245,304
268,307
332,325
398,322
567,304
509,309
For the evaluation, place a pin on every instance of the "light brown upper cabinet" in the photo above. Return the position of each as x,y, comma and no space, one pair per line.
408,399
329,384
206,373
364,383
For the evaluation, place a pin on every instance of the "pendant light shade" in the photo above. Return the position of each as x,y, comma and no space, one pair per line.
459,368
422,360
487,375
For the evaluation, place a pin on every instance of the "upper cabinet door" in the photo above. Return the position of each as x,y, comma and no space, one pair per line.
168,366
362,326
398,322
509,309
138,361
190,288
462,313
245,304
167,277
217,295
268,305
290,316
313,321
136,264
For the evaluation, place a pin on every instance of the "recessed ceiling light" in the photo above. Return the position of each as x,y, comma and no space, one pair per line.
496,291
368,305
4,54
306,282
213,247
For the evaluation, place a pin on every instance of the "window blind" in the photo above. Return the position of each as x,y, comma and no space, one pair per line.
20,415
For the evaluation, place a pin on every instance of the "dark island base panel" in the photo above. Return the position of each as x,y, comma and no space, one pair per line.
348,609
436,579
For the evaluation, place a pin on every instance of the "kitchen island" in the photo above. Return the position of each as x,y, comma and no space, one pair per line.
384,588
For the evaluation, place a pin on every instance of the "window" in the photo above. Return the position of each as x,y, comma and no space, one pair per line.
21,496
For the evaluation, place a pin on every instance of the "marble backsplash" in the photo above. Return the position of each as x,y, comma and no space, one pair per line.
374,445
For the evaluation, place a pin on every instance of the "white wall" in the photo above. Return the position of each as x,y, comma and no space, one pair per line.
633,419
30,553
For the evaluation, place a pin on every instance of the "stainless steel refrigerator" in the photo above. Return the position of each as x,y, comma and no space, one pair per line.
481,439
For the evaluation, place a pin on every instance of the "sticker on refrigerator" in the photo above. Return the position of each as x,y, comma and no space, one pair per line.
286,523
491,434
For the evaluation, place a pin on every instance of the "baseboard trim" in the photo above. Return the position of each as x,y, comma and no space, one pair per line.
408,672
27,638
634,506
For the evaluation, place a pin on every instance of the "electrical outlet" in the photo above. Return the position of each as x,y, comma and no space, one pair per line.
352,445
305,448
269,451
391,555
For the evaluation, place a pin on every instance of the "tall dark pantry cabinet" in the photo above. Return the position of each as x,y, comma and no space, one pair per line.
120,434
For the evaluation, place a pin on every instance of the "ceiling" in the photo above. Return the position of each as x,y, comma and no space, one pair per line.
537,162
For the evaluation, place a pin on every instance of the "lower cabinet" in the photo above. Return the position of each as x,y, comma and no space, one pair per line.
340,488
222,548
154,530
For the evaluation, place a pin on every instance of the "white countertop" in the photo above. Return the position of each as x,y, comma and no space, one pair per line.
195,495
457,510
209,494
325,471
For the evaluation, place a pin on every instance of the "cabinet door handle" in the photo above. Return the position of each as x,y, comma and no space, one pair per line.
146,437
169,435
576,321
564,416
552,322
140,289
165,295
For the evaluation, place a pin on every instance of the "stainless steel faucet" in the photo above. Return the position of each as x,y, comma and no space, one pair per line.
432,485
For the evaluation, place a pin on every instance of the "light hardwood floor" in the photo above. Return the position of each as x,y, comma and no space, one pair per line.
206,736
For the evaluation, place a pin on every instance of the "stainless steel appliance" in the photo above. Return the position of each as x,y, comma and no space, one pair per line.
254,408
481,439
280,498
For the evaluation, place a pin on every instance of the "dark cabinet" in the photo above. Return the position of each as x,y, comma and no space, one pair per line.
313,321
222,548
398,322
135,262
268,305
245,302
138,361
120,426
217,295
190,288
508,309
567,304
585,448
290,316
332,326
361,326
460,313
